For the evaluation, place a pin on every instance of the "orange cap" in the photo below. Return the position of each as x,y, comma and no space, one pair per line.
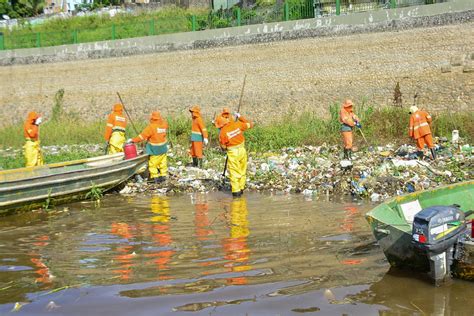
155,116
32,116
195,108
225,111
347,103
118,107
221,122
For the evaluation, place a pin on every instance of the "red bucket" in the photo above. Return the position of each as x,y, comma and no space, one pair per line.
130,150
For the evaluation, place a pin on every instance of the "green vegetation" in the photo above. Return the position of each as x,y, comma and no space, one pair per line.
170,19
48,203
95,194
380,126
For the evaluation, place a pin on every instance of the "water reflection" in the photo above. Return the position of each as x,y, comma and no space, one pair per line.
161,236
124,255
236,249
200,252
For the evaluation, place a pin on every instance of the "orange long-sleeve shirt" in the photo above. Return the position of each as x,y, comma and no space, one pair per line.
419,124
232,134
30,130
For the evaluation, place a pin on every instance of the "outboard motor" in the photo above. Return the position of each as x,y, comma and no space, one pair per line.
436,230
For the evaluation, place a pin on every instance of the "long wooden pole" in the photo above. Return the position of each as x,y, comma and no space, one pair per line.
131,121
238,111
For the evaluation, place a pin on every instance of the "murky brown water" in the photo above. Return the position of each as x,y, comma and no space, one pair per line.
208,254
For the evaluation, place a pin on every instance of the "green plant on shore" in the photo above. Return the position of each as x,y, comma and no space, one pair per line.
95,194
48,203
58,105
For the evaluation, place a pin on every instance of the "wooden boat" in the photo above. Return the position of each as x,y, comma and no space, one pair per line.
392,224
24,189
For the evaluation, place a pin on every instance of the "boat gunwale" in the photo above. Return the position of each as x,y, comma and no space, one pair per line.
397,200
112,163
54,182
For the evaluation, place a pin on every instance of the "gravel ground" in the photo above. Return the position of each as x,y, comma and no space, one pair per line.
283,77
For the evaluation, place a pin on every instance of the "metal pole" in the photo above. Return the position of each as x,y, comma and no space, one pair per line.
338,7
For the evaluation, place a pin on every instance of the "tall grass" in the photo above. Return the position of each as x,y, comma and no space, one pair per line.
380,125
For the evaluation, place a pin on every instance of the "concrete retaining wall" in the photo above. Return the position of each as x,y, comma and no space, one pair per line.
457,11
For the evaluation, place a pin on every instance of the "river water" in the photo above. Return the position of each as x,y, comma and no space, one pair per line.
208,254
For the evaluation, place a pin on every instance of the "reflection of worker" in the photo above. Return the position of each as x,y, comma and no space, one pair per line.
161,232
156,147
32,148
44,275
420,130
115,130
350,212
232,139
201,218
125,253
198,136
235,247
348,120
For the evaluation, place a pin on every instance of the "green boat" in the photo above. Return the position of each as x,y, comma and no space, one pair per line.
392,225
29,188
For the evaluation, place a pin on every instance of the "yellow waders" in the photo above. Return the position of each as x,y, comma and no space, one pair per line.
33,154
158,166
237,164
117,139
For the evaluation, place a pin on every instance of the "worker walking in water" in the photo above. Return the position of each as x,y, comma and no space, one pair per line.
199,136
32,150
231,138
157,146
348,121
420,131
115,130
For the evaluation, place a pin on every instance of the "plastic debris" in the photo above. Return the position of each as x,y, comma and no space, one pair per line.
319,172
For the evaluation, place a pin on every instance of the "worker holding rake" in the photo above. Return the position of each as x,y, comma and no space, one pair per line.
348,121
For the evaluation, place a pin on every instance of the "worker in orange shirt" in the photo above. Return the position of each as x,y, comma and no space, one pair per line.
420,130
115,130
198,136
32,150
157,146
231,138
225,114
348,121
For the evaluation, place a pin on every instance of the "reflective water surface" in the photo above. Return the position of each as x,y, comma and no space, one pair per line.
208,254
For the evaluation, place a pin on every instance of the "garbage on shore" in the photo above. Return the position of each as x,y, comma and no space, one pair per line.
315,171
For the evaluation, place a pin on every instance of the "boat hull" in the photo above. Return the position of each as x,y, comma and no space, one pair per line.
394,233
72,182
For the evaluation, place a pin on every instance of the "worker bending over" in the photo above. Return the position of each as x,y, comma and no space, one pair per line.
115,130
348,120
420,131
157,146
32,148
198,136
231,138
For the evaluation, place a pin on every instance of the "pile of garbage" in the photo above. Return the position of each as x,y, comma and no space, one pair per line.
375,173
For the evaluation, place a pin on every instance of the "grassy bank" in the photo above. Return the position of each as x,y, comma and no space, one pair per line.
380,126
